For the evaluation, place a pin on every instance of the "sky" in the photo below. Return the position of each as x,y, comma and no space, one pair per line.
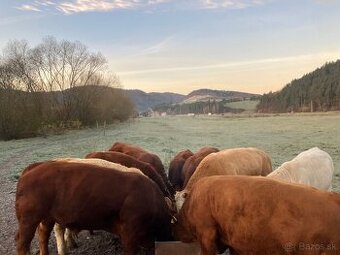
178,46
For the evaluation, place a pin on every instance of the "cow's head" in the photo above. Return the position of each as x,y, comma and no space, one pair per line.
180,225
180,198
171,206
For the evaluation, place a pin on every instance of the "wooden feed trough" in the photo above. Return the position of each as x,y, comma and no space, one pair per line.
177,248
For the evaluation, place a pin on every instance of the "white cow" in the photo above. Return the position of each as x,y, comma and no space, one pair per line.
65,238
313,167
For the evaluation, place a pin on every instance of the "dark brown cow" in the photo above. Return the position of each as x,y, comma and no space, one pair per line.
144,156
192,162
81,196
129,161
176,168
258,215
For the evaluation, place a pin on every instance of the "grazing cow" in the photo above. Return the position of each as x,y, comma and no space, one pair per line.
85,196
258,215
67,236
313,167
176,168
192,163
237,161
129,161
144,156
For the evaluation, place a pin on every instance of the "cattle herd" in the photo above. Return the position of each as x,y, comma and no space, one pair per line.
222,199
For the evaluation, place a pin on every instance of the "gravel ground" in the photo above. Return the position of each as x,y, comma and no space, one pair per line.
8,224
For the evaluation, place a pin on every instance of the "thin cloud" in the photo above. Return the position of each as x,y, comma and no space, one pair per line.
27,7
227,65
90,5
230,4
78,6
44,3
156,48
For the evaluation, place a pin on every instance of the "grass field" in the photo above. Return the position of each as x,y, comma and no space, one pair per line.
247,105
282,137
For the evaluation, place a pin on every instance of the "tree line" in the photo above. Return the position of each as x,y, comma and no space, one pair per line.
56,84
315,91
200,107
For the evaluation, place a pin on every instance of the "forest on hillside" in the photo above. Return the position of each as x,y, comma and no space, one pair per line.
200,107
315,91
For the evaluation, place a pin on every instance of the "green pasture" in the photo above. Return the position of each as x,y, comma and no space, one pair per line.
247,105
281,136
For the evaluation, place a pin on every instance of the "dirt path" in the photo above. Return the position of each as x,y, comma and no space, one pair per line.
8,224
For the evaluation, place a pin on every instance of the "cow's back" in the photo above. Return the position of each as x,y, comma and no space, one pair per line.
145,156
237,161
316,165
176,168
312,167
192,162
129,161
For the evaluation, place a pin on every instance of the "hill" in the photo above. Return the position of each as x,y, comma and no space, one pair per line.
204,95
205,101
315,91
143,101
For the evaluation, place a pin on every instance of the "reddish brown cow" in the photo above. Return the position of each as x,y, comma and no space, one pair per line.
192,162
144,156
258,215
129,161
176,168
83,196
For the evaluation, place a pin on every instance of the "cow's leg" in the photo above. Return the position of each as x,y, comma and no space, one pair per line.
44,230
59,236
130,238
207,239
70,239
129,244
25,235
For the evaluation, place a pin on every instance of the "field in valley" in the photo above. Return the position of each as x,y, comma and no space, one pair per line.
282,137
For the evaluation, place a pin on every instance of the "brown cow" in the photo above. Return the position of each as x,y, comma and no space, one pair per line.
84,196
176,168
258,215
144,156
236,161
192,163
129,161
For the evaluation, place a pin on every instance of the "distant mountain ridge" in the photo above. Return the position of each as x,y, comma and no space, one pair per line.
203,95
144,101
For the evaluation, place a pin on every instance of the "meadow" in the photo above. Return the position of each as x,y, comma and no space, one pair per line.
281,136
248,105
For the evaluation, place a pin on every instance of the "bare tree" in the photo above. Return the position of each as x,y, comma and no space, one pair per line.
68,71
